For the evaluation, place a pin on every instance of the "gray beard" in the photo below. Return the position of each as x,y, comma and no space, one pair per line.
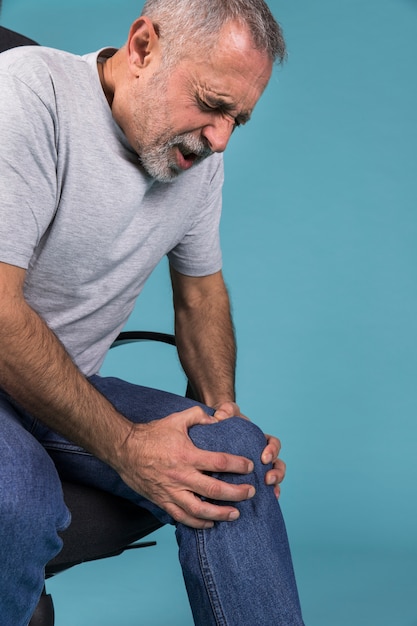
161,165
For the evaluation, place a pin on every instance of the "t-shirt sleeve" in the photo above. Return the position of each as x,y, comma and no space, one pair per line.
199,252
27,162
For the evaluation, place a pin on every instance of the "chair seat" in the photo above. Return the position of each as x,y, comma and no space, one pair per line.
102,525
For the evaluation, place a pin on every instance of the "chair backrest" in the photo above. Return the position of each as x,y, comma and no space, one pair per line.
11,39
102,525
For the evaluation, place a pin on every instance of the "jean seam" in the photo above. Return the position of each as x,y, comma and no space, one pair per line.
34,425
209,582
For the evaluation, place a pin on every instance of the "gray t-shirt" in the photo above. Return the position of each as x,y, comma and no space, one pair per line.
77,209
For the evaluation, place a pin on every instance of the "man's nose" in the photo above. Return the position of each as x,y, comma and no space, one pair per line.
218,133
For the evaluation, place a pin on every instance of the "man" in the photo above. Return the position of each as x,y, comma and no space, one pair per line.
109,162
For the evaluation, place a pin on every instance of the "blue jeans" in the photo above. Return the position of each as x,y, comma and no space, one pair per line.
236,573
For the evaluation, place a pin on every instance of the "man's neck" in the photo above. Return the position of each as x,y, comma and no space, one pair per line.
104,62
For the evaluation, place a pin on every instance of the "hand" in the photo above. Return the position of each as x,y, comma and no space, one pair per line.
159,461
270,454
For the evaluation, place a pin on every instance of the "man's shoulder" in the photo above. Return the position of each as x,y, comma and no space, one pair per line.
35,56
43,70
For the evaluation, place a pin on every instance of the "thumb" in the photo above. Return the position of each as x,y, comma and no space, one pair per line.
196,415
223,414
228,409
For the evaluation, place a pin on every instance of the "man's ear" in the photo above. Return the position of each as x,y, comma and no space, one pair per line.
143,43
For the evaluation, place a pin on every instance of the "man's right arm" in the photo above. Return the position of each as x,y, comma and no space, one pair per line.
38,373
158,460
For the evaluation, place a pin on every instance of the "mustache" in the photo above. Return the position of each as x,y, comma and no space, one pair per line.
189,144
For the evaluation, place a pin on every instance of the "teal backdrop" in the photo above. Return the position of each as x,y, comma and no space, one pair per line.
319,236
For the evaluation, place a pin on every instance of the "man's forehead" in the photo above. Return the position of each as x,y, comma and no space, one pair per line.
234,50
233,81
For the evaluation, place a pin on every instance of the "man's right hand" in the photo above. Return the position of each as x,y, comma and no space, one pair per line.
159,461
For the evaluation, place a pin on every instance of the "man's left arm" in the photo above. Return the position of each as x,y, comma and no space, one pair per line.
207,351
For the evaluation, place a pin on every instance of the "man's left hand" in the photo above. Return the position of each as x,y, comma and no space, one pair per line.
270,454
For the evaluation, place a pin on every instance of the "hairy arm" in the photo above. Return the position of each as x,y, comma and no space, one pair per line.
158,460
207,350
38,373
205,336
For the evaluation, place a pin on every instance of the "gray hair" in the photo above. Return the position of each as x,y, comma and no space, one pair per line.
184,23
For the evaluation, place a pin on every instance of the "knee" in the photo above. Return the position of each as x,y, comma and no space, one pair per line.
234,436
242,438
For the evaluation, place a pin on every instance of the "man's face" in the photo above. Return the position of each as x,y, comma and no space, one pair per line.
180,117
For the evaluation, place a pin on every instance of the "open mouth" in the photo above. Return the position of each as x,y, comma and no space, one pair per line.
186,158
188,154
190,151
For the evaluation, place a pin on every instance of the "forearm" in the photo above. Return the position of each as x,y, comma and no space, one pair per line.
38,373
206,343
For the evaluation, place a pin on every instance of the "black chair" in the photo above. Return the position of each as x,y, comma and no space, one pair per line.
10,39
102,525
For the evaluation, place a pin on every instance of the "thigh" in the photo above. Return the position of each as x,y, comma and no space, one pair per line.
32,511
137,403
30,489
142,405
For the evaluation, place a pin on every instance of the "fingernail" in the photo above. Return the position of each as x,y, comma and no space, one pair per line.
271,480
251,492
267,459
233,516
251,467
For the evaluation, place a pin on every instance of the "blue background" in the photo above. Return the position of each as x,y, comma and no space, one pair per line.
319,238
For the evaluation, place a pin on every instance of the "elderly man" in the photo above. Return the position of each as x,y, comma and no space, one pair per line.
109,162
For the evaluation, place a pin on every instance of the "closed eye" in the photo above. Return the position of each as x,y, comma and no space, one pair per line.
223,109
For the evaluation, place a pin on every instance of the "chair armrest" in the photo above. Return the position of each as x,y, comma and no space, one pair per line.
131,336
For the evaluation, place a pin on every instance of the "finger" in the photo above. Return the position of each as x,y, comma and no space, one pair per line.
280,468
221,462
191,417
226,410
278,472
180,516
273,478
275,484
271,451
276,476
215,489
193,511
